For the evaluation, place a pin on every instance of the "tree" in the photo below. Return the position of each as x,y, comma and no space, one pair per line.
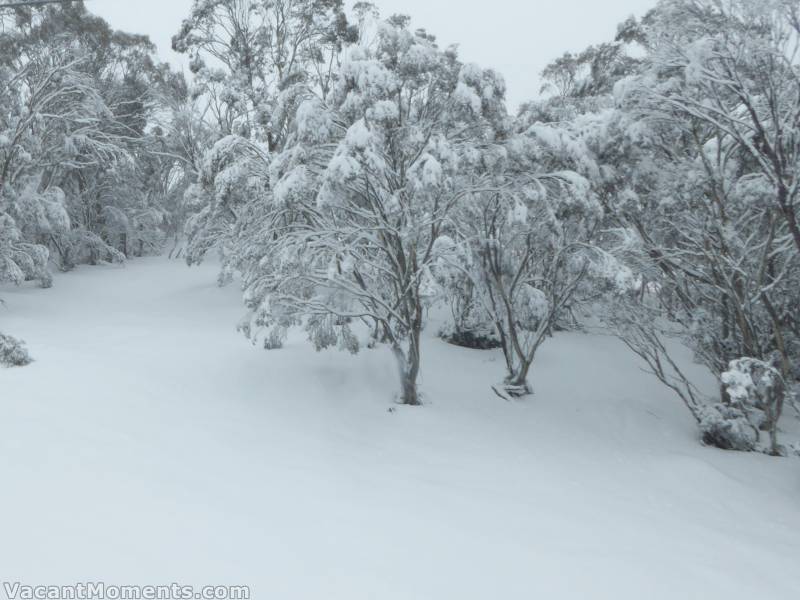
535,253
246,53
253,62
71,140
44,95
225,200
703,197
733,66
677,133
362,192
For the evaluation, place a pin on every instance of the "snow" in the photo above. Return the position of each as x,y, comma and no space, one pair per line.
342,167
314,123
292,185
358,136
465,95
150,443
419,57
431,172
370,81
518,214
383,111
698,53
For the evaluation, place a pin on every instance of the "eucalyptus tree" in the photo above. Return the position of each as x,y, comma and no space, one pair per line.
253,63
72,141
361,194
698,151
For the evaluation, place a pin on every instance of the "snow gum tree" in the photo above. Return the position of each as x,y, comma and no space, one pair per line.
734,66
253,61
709,158
76,105
363,191
246,54
232,175
697,140
535,254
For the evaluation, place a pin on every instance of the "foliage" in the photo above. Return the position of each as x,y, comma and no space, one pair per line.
13,352
77,155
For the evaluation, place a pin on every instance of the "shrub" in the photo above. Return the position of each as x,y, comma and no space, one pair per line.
13,352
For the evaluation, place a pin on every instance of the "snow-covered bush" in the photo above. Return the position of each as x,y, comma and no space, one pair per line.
755,386
728,428
13,352
469,333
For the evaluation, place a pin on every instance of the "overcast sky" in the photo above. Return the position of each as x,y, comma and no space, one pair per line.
516,37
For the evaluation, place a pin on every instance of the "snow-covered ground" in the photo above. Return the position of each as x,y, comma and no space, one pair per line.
150,443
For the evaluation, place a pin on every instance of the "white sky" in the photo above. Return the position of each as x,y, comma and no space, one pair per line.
516,37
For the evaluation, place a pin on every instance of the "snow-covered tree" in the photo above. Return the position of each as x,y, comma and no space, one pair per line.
363,191
233,180
536,254
703,196
77,99
733,66
685,177
247,55
253,62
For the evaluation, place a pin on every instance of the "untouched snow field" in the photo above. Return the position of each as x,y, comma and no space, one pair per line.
150,443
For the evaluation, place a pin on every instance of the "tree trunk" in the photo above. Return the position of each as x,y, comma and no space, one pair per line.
787,210
408,366
517,382
410,395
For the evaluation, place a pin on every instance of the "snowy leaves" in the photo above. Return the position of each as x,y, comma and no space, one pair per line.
436,169
271,54
314,123
77,150
384,112
482,92
292,187
363,82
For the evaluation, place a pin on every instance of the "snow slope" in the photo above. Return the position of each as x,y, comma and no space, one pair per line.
150,443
